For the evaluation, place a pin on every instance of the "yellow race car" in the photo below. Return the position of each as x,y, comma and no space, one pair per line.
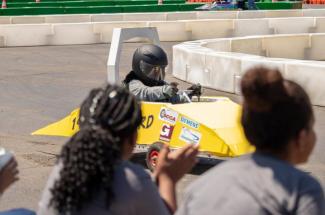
211,122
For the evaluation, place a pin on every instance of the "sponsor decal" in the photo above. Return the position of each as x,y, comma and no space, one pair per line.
189,122
166,132
147,121
190,136
168,115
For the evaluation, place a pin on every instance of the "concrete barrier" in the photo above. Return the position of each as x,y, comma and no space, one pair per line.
319,24
316,50
161,16
313,13
67,34
252,14
251,46
217,15
214,28
105,30
26,35
178,30
246,27
221,45
310,76
286,46
180,16
27,20
145,16
107,17
171,30
220,63
67,19
292,25
5,20
2,41
283,13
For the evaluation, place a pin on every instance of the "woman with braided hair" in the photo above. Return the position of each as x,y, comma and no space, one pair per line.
93,174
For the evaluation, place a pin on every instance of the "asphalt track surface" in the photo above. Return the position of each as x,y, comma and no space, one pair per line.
39,85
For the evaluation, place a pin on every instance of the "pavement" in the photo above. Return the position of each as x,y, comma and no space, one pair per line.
39,85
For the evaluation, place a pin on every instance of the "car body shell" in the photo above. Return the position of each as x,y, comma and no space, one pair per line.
213,123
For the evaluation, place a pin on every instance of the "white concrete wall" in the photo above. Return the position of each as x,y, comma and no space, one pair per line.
286,46
178,16
145,17
208,29
178,30
244,27
105,29
316,50
27,20
292,25
2,41
26,35
162,16
78,33
220,63
67,18
171,30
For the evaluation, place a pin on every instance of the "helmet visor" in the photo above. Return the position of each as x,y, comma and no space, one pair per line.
154,72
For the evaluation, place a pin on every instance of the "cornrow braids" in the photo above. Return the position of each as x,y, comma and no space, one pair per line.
89,158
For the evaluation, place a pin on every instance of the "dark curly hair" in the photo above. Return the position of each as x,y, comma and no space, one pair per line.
275,110
91,155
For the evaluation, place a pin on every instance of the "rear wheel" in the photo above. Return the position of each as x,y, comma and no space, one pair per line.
152,155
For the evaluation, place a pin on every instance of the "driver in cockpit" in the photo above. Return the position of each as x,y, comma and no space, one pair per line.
146,80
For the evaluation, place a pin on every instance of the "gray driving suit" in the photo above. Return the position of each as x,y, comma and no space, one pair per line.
153,94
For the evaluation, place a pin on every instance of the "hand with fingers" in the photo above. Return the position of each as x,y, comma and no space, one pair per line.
174,165
8,175
171,167
196,90
171,89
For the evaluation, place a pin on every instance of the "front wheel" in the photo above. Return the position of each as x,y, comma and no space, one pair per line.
152,155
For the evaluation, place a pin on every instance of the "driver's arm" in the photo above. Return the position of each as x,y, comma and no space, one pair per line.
145,93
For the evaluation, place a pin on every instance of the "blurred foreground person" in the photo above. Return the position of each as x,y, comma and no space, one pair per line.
278,120
8,170
147,78
8,176
93,174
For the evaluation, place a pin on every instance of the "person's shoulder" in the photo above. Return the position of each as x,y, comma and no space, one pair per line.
135,82
308,183
133,170
290,174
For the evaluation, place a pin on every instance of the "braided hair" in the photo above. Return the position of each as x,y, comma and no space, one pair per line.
89,158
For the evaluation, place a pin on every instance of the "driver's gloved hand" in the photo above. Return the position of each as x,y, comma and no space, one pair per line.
196,90
170,90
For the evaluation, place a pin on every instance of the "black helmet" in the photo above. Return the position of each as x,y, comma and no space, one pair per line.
149,63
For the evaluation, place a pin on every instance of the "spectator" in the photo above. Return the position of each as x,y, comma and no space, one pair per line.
93,174
278,120
241,4
8,176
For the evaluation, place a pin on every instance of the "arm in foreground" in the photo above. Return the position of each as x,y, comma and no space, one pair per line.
171,167
8,175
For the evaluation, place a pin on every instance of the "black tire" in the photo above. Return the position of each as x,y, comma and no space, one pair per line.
152,155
